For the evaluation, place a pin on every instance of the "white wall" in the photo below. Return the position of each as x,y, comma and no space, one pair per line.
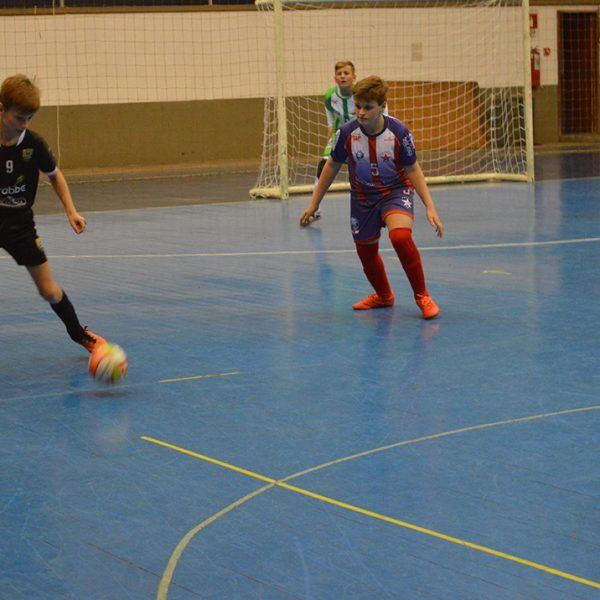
159,57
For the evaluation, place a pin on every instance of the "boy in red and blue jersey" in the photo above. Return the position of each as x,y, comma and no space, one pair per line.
384,174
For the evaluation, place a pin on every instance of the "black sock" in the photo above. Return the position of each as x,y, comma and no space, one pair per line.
64,309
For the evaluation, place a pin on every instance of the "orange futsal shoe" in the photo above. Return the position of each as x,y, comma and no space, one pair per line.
90,341
425,302
373,301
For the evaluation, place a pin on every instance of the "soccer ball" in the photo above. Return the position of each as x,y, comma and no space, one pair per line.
108,363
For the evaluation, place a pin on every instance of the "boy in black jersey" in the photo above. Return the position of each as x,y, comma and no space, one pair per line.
23,154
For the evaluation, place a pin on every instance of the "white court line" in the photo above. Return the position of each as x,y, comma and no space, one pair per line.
305,252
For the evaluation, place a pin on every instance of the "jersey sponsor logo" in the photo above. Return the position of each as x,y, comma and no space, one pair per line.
371,184
27,154
7,194
10,202
13,189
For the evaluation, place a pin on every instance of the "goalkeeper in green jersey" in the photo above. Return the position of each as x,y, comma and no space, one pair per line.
339,107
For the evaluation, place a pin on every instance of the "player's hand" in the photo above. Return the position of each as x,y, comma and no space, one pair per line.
308,216
435,221
78,222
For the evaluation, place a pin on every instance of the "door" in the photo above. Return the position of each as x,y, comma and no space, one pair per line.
578,72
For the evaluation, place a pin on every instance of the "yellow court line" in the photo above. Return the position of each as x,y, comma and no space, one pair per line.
207,376
111,389
495,272
214,461
375,515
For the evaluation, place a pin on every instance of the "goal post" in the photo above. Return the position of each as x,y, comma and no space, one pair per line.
458,75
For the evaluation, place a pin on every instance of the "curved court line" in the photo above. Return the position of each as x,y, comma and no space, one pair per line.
181,546
165,581
303,252
435,436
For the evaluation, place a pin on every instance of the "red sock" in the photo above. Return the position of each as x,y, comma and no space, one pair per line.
374,269
408,254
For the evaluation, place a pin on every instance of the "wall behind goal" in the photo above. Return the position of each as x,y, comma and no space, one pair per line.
187,86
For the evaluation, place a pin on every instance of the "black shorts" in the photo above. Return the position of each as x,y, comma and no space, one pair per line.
19,238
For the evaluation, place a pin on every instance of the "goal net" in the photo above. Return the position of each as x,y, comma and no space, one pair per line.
458,72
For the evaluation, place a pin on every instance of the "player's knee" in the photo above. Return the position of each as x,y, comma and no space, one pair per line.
367,250
400,236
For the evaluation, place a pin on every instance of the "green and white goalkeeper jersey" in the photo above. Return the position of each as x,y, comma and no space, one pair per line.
339,110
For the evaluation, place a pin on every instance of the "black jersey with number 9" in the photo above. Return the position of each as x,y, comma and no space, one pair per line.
20,167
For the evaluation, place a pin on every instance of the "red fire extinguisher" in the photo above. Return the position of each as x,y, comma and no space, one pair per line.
535,68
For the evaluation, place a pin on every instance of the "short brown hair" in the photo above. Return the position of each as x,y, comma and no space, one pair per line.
340,64
371,89
18,91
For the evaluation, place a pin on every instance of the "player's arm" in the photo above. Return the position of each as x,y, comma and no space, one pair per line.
61,188
417,178
330,170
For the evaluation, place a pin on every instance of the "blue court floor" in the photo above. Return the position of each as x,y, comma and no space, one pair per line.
271,443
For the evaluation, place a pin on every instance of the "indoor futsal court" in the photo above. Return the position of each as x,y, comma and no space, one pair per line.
270,442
